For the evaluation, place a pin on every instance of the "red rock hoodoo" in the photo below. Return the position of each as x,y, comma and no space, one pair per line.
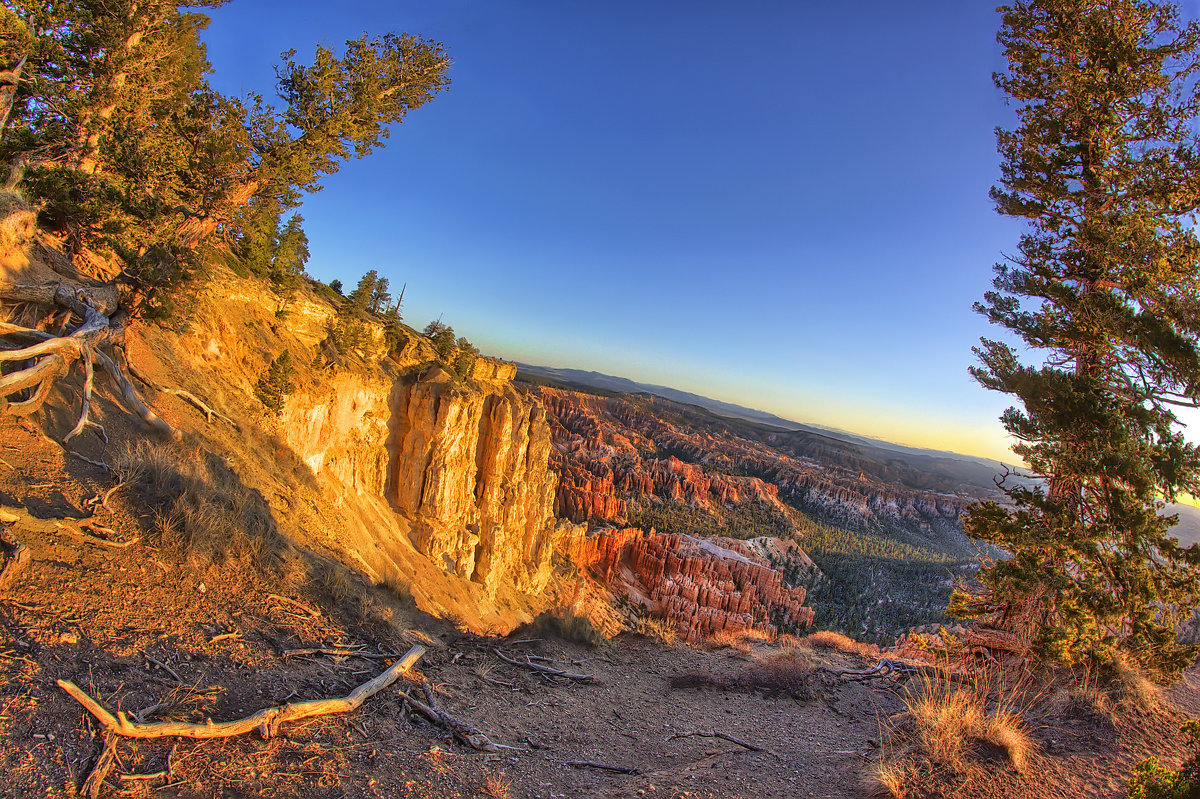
699,586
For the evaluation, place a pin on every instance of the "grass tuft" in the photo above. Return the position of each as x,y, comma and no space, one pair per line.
950,725
567,624
200,506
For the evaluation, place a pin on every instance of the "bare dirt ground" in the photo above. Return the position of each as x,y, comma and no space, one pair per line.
143,626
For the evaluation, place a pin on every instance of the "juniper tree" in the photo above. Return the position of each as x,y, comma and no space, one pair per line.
1104,288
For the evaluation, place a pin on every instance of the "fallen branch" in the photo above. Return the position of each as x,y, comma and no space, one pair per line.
348,653
603,766
104,763
266,721
463,732
21,518
156,775
715,734
164,667
305,608
529,664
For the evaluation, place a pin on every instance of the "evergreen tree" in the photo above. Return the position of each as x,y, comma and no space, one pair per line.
275,385
380,296
359,300
1105,170
290,251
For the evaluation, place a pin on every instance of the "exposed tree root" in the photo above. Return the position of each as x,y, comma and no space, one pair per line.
265,722
187,396
22,519
108,757
51,357
462,731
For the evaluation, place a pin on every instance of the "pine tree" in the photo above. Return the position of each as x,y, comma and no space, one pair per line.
275,385
290,252
1105,170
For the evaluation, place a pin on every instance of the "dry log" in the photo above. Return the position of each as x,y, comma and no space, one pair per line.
715,734
18,556
529,664
266,721
463,732
886,667
347,653
603,766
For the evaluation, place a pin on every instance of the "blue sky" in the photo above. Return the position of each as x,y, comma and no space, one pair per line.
779,204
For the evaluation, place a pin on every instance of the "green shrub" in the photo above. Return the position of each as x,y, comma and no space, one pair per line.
1151,780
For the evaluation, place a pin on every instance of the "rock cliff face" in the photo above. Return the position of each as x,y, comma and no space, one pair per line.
700,586
469,466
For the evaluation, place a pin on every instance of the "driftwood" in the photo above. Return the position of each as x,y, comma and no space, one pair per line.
538,667
266,722
21,518
603,766
715,734
886,667
50,357
18,556
463,732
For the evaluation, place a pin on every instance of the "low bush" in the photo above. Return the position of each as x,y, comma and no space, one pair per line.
1151,780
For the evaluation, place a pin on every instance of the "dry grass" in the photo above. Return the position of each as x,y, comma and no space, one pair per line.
949,726
17,224
889,778
565,623
497,786
827,639
400,588
654,627
1132,689
200,506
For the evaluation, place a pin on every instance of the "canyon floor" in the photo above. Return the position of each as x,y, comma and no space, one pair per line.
142,626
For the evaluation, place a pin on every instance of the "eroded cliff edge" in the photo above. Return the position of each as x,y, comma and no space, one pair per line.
384,460
469,466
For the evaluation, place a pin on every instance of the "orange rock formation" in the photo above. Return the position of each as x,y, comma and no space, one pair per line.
701,587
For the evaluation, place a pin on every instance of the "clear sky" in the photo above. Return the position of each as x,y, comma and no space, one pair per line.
779,204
